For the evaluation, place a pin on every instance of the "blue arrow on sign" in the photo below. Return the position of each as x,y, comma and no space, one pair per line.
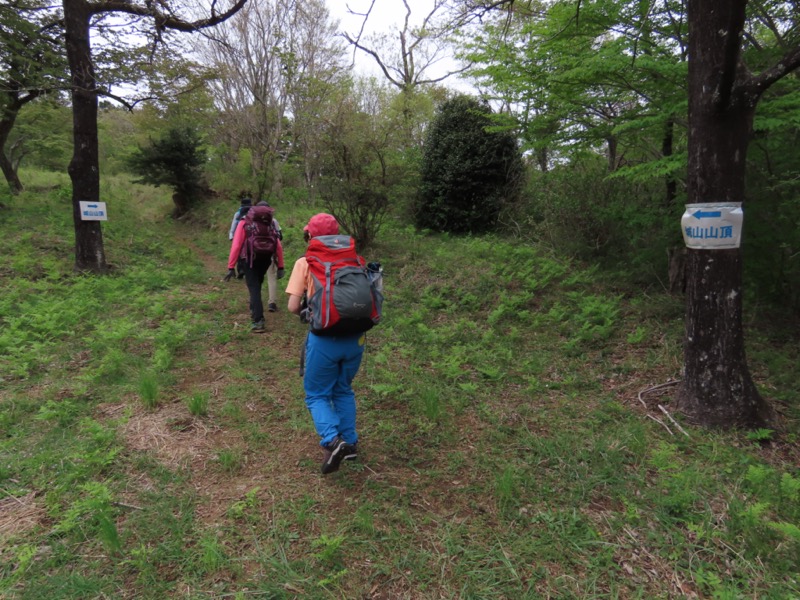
704,215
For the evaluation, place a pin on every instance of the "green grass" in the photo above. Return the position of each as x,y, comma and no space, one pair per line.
197,404
151,447
148,390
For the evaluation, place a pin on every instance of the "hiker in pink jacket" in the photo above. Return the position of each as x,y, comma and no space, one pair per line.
255,266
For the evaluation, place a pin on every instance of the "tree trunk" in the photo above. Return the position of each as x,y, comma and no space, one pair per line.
181,203
7,121
10,173
666,151
717,389
84,168
676,259
543,159
611,150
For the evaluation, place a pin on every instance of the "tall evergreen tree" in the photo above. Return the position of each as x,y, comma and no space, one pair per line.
174,160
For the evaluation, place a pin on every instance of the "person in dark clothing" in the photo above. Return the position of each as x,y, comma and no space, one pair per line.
246,205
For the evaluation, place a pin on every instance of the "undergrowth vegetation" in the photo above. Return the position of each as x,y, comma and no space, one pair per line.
151,447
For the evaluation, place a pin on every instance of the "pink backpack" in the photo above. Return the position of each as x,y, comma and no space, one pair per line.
260,239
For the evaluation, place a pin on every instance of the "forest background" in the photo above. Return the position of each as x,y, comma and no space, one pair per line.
599,111
597,101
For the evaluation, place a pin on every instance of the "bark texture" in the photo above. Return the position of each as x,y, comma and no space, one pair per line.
9,172
717,388
83,168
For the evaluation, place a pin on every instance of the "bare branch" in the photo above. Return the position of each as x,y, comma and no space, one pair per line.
165,18
476,10
790,62
377,58
673,421
417,49
128,104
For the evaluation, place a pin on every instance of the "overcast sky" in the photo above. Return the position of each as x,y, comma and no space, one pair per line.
387,16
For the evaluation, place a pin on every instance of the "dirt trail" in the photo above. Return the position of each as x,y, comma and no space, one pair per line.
177,439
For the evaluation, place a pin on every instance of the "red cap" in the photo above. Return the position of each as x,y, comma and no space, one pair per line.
322,224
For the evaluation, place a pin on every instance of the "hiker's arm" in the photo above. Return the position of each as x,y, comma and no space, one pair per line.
295,304
296,287
236,245
234,223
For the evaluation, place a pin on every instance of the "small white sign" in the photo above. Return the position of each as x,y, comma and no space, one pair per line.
93,211
712,225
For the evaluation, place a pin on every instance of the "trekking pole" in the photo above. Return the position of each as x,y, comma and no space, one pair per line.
303,357
364,356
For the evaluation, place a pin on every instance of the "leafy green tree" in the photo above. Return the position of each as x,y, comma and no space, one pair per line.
361,171
41,135
79,18
469,170
773,186
174,160
603,76
180,100
32,63
603,80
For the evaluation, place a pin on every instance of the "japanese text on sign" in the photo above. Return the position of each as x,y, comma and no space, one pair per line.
708,233
712,225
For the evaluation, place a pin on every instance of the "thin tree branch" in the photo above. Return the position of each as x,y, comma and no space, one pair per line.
377,58
660,422
673,421
166,19
787,64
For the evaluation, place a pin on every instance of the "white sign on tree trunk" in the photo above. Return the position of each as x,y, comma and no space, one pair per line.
712,225
93,211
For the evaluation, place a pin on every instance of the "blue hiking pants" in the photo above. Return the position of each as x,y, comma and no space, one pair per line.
331,364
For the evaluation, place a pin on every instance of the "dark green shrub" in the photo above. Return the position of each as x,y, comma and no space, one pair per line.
469,171
176,160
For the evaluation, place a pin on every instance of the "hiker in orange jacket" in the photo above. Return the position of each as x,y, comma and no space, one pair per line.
331,364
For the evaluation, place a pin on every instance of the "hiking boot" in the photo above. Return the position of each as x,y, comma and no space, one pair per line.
258,327
350,452
272,307
334,453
